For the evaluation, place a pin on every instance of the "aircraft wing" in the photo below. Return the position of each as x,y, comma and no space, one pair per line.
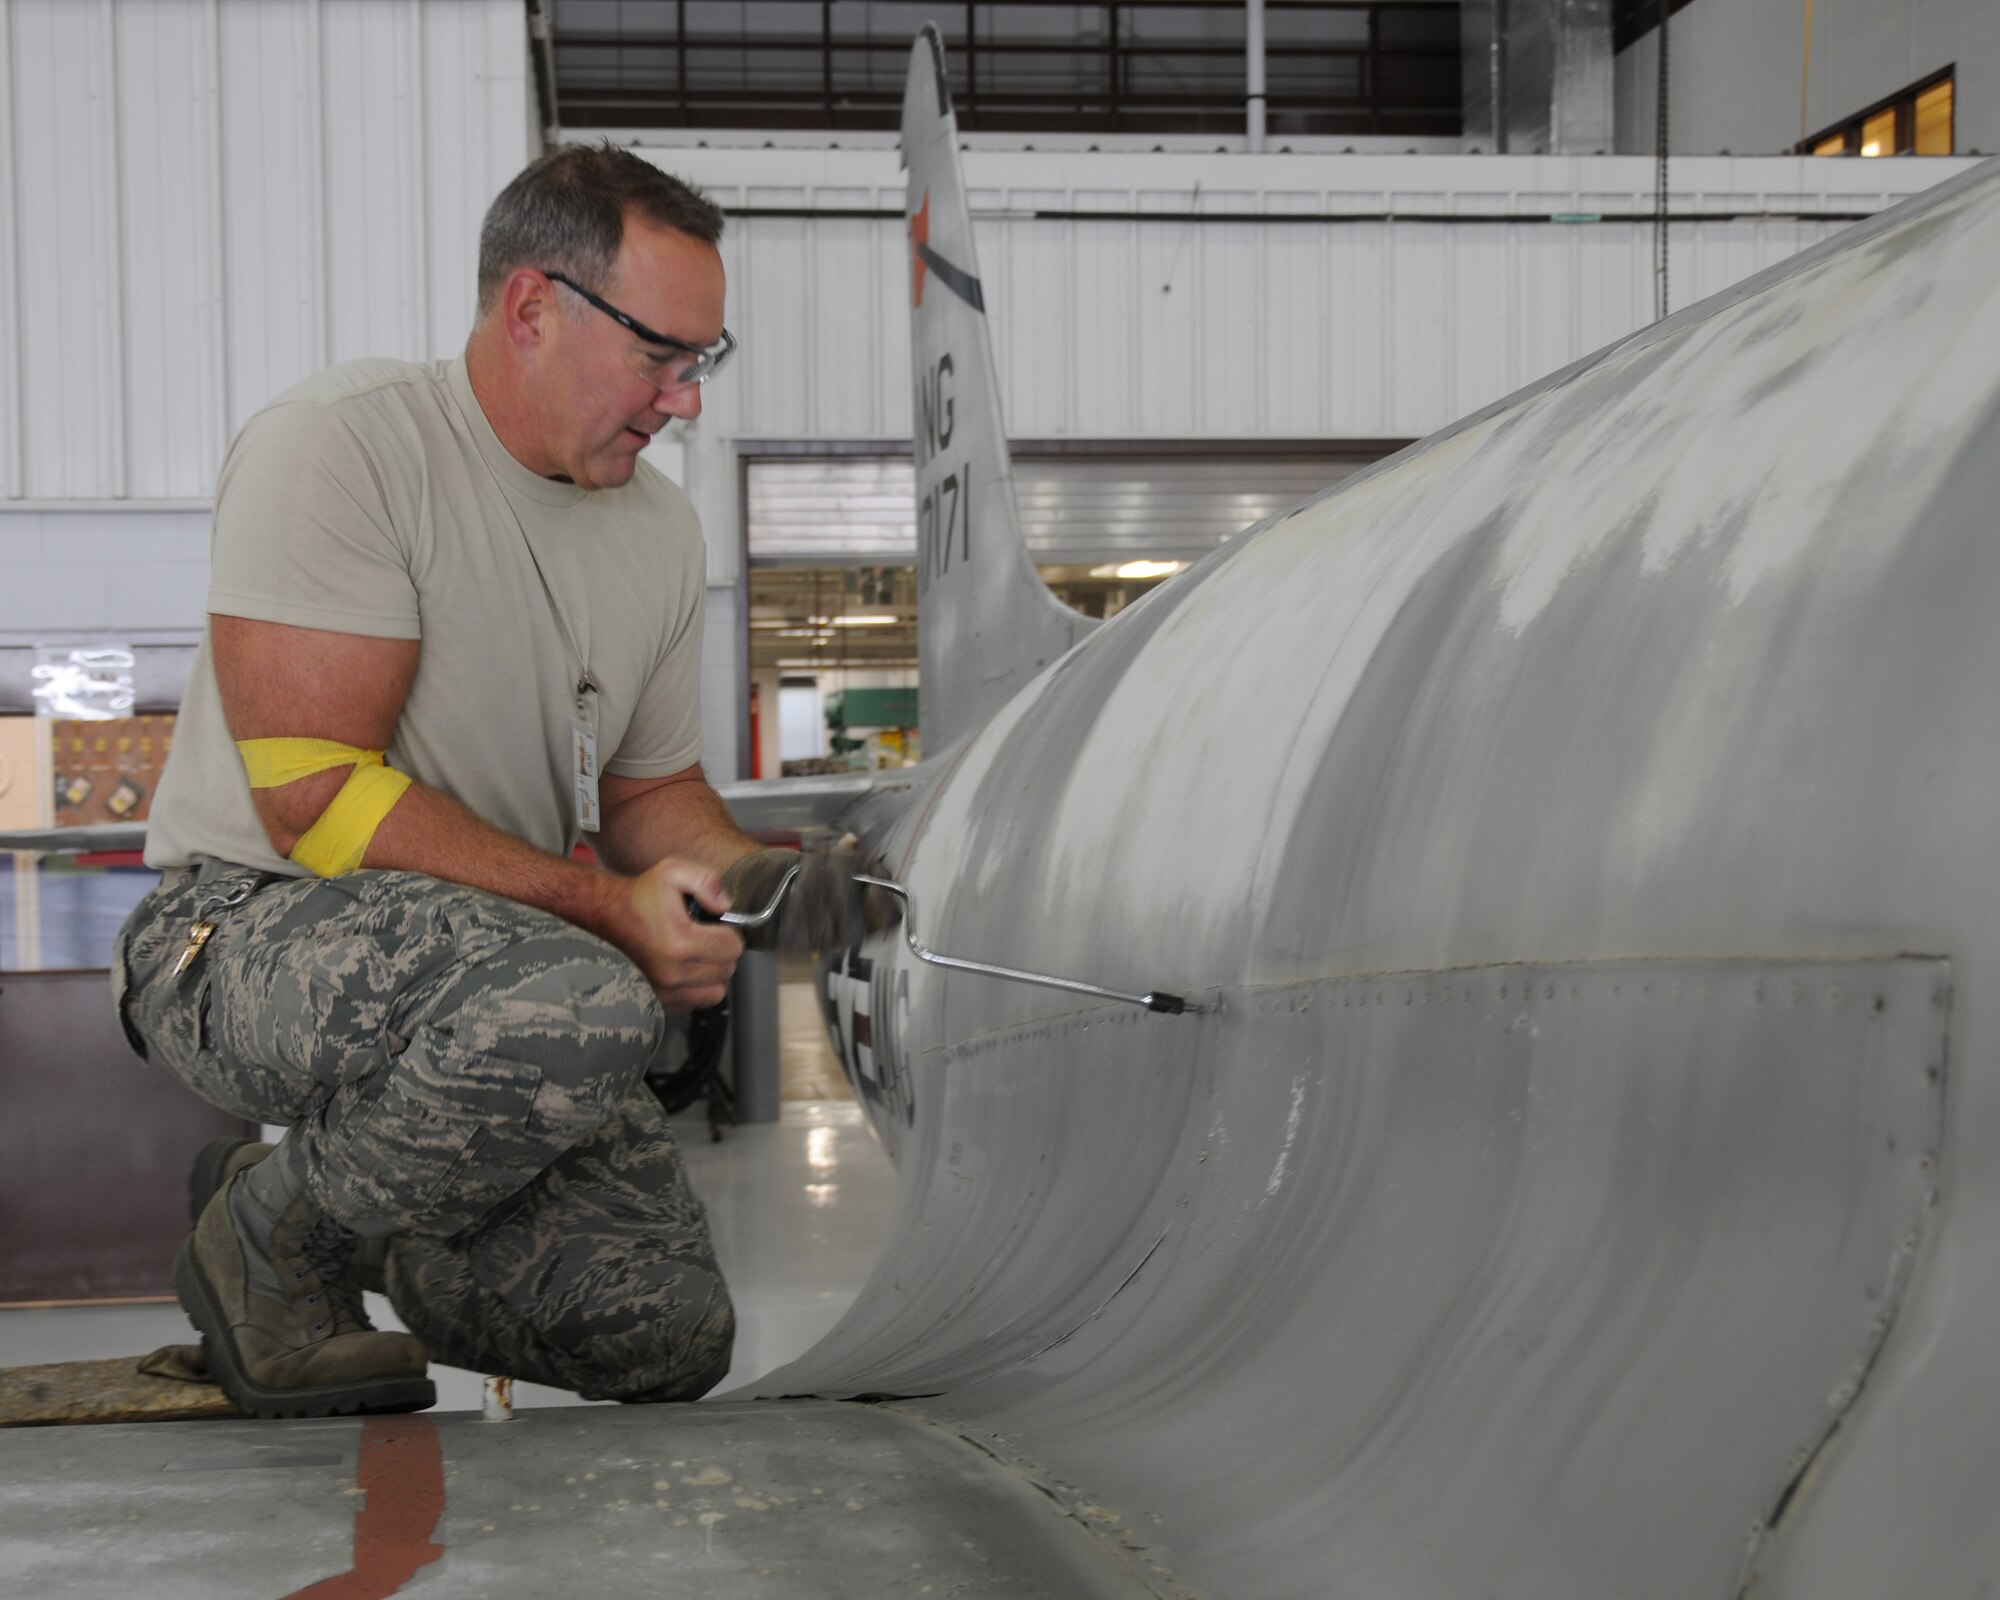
769,806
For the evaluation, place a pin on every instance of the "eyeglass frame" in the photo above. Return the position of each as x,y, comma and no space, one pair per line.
715,354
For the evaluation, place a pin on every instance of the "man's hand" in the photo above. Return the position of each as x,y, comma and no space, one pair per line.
688,963
824,910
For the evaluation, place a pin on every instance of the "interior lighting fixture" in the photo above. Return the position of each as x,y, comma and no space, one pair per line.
1878,133
865,621
1138,569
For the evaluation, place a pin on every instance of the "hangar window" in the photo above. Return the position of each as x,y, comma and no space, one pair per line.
1918,121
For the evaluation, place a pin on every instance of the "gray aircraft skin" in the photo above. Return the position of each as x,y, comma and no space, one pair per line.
1573,831
1579,1177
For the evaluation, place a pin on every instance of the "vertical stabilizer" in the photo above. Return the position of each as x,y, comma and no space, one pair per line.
986,623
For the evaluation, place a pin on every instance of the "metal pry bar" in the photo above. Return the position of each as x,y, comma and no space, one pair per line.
746,919
1171,1005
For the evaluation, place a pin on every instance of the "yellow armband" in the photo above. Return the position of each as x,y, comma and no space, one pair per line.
337,842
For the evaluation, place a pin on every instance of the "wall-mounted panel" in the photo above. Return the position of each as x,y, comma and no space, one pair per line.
474,98
273,201
1037,298
772,298
1226,365
67,195
1358,380
1106,337
369,65
169,270
1291,326
11,370
1166,267
846,371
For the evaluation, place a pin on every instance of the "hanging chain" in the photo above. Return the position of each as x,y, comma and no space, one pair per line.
1660,192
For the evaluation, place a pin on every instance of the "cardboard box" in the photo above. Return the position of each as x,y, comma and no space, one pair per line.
25,801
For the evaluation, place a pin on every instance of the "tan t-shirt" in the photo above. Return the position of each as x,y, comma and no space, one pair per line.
376,499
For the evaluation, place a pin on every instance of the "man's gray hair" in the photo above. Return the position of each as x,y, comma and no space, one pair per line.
566,212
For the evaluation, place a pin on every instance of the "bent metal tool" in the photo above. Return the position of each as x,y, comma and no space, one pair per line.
745,919
1171,1005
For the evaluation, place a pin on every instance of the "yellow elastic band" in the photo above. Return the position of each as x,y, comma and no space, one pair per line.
337,842
273,763
339,839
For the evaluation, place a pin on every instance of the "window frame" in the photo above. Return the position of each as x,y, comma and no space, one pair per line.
1904,103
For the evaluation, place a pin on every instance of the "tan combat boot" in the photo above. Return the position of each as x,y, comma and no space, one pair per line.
217,1162
221,1159
282,1321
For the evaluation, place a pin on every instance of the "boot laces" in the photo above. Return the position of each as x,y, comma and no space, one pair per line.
326,1251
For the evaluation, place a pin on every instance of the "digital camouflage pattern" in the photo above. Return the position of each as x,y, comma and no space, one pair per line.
465,1074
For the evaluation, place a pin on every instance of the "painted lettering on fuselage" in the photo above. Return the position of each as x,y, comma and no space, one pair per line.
944,487
865,1002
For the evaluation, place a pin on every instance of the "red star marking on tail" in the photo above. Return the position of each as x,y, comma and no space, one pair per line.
920,234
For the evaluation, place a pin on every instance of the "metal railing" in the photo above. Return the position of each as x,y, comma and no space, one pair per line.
1164,66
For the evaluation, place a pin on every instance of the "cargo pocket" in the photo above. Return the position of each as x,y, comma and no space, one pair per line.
437,1158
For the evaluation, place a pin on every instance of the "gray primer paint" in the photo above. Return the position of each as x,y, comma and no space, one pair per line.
1619,1243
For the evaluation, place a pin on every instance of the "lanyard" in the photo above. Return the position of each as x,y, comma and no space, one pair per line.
584,685
583,700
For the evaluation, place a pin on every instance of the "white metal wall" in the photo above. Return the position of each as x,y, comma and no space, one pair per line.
1738,72
1188,328
202,201
1179,328
177,258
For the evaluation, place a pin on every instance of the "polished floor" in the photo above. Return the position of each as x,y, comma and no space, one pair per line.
798,1207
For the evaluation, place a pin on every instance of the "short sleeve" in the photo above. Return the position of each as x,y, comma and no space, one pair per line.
664,735
304,533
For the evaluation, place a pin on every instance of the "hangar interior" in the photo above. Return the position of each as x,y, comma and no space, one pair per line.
1208,301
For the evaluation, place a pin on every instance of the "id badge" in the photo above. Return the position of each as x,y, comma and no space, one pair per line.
584,738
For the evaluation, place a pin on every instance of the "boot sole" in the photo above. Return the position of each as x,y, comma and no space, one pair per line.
204,1309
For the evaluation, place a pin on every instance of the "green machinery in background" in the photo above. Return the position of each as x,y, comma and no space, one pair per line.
890,711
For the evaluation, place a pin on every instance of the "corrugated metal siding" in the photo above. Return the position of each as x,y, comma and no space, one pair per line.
202,201
1185,328
1074,510
205,202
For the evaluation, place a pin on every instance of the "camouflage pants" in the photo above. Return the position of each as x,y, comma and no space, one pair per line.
462,1074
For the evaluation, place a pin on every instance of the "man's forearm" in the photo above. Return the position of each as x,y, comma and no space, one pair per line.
685,818
642,915
427,831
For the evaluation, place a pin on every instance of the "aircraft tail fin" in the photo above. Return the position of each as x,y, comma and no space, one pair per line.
986,623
